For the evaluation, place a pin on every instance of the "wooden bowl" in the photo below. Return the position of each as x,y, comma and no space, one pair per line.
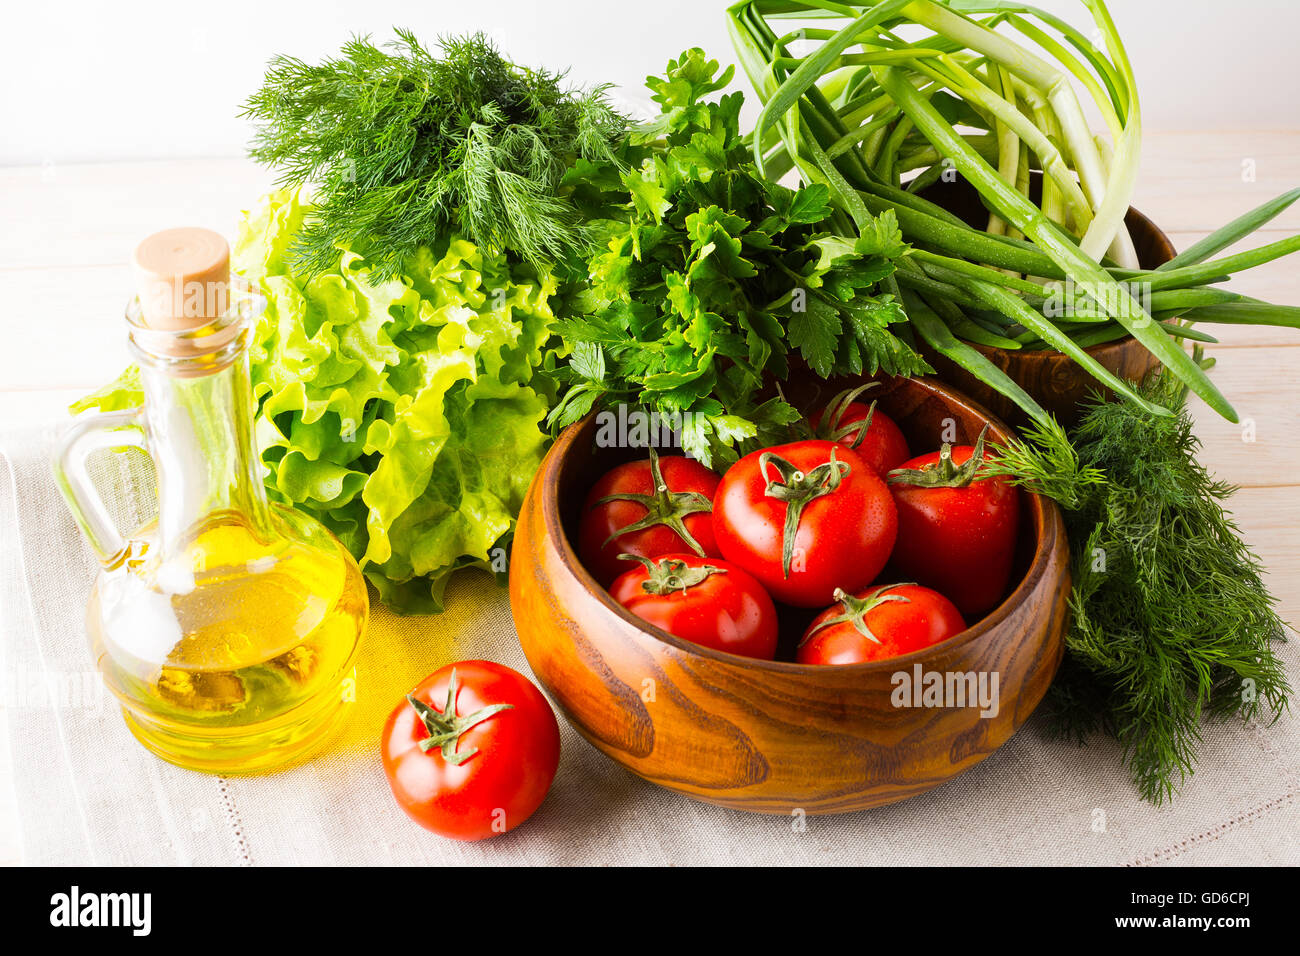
773,737
1054,380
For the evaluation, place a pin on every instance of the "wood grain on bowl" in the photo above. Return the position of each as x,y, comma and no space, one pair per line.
774,737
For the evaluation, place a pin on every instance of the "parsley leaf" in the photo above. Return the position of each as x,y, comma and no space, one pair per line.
714,276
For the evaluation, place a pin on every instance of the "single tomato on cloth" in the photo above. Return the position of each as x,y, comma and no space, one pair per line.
805,518
879,623
864,428
471,751
956,530
708,601
647,508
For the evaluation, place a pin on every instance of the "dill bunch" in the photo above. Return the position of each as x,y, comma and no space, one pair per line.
403,145
1171,621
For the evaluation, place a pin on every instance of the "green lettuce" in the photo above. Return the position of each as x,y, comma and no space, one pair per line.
404,413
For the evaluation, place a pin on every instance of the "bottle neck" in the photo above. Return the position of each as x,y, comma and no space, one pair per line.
200,430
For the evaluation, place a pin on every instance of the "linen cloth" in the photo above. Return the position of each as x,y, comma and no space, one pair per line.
87,793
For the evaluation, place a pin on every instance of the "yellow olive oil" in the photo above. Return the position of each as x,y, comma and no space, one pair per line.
234,653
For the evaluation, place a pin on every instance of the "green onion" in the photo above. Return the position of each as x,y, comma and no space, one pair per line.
1047,236
988,88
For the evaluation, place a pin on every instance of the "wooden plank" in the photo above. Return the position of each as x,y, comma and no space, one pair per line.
1264,387
64,326
1195,182
39,406
94,214
1268,518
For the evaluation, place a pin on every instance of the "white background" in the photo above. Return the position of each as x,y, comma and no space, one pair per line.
94,81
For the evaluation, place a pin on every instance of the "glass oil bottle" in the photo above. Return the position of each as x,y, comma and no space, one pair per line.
227,628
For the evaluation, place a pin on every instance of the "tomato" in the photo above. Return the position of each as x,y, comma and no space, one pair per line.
879,623
864,428
805,518
956,532
496,749
707,601
647,508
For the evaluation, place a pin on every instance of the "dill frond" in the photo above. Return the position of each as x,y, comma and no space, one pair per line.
402,145
1171,621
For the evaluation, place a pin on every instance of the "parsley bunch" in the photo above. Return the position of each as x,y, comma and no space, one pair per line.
404,146
717,277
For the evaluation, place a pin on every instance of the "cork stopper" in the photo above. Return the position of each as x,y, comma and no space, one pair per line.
182,278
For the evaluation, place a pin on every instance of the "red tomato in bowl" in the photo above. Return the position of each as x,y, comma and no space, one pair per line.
864,428
805,518
879,623
661,505
956,531
471,751
708,601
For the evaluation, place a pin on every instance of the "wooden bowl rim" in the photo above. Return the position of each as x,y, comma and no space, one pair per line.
1048,524
1041,355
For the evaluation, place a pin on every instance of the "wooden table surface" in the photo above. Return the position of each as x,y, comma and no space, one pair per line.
68,231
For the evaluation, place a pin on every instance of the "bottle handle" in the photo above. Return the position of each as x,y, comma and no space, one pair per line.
83,438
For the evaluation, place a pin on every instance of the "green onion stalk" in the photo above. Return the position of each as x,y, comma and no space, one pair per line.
989,89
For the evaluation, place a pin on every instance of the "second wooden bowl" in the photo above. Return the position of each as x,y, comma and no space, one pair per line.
1055,381
775,737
